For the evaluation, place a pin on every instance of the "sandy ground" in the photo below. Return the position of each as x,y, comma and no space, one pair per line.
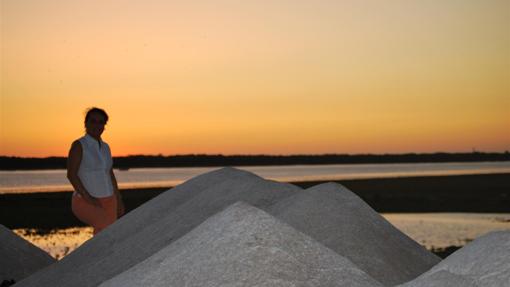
432,230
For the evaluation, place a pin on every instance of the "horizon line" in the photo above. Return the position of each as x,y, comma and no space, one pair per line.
280,155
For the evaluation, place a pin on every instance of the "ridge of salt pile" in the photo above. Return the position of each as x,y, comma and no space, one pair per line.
155,224
482,262
442,278
343,222
244,246
18,257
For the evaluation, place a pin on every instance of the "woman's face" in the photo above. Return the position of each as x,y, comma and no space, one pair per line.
95,125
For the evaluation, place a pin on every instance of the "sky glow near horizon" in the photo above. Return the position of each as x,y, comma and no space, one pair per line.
253,77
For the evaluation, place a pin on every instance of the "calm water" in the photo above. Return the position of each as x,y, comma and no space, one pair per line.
55,180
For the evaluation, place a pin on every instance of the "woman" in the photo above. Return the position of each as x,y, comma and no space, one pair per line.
96,199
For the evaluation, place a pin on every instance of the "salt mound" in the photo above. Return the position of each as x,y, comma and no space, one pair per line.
342,221
156,224
443,279
485,262
244,246
18,257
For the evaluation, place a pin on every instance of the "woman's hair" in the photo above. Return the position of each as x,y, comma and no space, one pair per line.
96,110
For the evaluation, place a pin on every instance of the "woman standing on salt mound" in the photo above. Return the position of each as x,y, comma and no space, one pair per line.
96,199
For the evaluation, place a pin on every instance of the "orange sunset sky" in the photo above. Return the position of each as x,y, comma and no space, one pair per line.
251,77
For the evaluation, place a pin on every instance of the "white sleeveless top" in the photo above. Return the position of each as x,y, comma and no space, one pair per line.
94,171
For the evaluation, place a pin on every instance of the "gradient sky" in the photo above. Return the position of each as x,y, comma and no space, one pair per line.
251,77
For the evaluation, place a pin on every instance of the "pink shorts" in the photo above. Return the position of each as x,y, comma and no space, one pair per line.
98,217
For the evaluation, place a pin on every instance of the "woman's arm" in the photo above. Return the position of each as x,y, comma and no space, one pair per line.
73,165
120,204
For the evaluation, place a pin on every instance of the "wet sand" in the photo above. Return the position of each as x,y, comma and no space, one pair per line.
488,193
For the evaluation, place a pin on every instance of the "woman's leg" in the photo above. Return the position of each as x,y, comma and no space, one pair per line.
99,217
109,206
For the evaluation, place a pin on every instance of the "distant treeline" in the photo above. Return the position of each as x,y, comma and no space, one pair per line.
204,160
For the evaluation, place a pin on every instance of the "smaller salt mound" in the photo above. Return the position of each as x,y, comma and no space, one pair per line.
339,219
485,261
18,257
243,246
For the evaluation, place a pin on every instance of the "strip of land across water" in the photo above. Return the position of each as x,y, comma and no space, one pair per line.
487,193
205,160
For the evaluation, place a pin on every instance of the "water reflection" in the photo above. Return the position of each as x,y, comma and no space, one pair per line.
440,230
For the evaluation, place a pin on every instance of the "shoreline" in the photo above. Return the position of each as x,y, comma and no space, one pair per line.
481,193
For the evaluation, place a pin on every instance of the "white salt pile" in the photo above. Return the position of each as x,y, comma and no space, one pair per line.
18,257
156,224
342,221
330,238
483,262
442,279
244,246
